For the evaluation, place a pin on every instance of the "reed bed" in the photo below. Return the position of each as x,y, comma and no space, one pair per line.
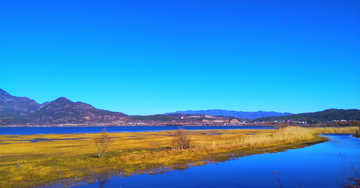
279,136
335,130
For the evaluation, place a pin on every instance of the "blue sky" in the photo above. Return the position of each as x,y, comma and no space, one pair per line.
149,57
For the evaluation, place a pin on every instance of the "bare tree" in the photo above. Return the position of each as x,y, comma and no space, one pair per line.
181,139
102,142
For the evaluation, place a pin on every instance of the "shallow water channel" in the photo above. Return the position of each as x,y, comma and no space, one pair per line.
314,166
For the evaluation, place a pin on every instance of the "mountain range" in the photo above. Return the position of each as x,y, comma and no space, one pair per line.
22,110
238,114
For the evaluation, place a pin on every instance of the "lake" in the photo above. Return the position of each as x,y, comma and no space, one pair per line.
314,166
72,130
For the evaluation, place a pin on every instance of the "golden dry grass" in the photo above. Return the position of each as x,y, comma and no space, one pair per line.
74,156
328,130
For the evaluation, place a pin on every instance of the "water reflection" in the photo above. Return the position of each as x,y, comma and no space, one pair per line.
314,166
102,183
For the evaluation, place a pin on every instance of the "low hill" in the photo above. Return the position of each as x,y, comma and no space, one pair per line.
181,117
157,117
326,115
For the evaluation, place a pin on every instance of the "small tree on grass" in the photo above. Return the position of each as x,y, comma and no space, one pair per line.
102,142
181,139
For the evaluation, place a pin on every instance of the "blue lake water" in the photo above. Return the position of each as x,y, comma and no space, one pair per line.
71,130
314,166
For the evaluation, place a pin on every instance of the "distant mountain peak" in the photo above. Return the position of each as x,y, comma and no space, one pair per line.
62,99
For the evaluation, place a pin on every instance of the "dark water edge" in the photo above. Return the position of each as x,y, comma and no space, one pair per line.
319,165
72,130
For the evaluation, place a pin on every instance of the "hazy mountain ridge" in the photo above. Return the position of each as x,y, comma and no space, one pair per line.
238,114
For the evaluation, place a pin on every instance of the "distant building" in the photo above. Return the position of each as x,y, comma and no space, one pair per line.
208,116
220,121
234,121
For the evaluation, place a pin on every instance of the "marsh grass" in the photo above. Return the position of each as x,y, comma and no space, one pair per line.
72,158
330,130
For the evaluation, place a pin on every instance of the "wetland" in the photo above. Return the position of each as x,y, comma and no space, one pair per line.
71,159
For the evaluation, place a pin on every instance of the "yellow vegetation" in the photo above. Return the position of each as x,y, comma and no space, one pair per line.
328,130
73,157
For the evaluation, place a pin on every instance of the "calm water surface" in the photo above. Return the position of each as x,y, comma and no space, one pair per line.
71,130
314,166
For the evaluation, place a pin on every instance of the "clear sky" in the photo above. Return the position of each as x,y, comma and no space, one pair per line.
149,57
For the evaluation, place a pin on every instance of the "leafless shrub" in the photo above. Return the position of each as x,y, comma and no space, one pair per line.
354,123
102,143
277,178
278,181
351,173
182,139
357,133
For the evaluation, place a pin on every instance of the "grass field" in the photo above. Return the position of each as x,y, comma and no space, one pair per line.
35,160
